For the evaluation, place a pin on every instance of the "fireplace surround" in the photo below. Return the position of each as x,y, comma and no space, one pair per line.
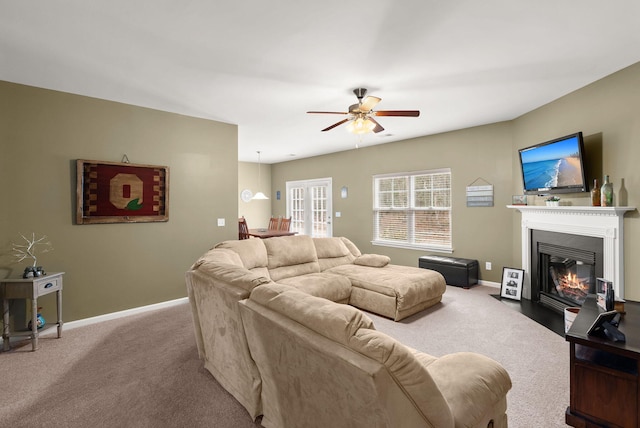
605,223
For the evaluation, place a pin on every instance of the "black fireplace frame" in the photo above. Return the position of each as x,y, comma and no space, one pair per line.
568,241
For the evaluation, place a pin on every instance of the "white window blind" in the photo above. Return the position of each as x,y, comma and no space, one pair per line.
413,210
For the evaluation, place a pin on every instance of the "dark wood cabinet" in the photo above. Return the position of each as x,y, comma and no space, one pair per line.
604,374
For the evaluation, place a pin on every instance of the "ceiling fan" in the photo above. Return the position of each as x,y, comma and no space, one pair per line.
361,114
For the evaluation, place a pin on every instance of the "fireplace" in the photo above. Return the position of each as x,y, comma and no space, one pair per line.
564,268
604,223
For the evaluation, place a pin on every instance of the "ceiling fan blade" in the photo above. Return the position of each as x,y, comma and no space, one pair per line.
405,113
378,127
335,124
354,108
328,112
369,103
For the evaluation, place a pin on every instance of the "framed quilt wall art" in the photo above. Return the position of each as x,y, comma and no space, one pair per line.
113,192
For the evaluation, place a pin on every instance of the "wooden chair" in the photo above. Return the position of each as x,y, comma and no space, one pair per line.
273,223
285,224
243,229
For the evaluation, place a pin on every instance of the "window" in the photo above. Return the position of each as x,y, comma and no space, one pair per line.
413,210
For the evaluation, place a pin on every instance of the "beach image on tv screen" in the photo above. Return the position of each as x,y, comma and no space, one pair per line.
552,165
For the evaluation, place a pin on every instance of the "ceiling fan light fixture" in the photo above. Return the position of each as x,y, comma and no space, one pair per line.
361,126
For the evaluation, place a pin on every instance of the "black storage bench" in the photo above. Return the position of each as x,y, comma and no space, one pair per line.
456,271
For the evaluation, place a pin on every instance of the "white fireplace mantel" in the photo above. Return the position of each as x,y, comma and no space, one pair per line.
600,222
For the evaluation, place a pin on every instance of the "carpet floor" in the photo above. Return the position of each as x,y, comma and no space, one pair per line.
144,371
536,358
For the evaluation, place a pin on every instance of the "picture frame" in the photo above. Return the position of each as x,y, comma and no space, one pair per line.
602,317
512,280
115,192
519,200
605,294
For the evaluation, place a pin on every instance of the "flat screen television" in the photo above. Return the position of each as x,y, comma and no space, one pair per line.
555,166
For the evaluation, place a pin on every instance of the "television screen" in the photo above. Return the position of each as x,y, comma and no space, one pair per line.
555,166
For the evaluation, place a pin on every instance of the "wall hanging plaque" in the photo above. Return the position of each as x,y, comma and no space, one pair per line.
112,192
480,195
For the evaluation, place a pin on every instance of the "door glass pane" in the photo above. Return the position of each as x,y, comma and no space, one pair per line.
319,213
296,199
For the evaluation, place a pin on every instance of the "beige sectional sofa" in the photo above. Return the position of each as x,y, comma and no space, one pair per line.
328,269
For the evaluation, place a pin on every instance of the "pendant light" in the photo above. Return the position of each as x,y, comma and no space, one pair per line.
259,195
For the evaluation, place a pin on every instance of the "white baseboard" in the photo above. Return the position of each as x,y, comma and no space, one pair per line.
490,284
121,314
115,315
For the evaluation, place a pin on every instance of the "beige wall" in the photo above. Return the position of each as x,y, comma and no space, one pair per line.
477,153
111,267
608,114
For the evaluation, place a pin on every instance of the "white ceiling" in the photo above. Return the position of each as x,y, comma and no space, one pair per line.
263,64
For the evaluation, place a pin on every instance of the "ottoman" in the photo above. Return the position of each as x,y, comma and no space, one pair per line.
456,271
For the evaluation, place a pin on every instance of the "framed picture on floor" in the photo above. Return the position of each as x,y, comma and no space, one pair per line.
512,283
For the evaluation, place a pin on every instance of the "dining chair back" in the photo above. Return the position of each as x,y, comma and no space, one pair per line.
243,229
273,223
285,224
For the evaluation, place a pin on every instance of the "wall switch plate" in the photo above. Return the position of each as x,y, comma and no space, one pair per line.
487,265
338,214
220,222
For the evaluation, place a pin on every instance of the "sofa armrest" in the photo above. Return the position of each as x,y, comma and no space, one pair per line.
474,385
233,274
218,255
409,372
372,260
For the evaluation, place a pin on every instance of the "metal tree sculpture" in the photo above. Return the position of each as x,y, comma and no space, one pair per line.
28,250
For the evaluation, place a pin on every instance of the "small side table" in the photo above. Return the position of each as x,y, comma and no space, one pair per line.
30,288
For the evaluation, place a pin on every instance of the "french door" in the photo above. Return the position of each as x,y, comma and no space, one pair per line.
309,206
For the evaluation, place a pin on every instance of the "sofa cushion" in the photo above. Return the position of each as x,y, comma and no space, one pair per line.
336,288
291,256
252,252
332,252
331,320
372,260
408,372
351,246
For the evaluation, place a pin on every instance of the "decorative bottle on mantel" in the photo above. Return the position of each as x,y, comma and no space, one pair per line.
606,193
595,194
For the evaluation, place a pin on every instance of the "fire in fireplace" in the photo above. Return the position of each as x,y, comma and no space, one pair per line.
569,279
565,268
